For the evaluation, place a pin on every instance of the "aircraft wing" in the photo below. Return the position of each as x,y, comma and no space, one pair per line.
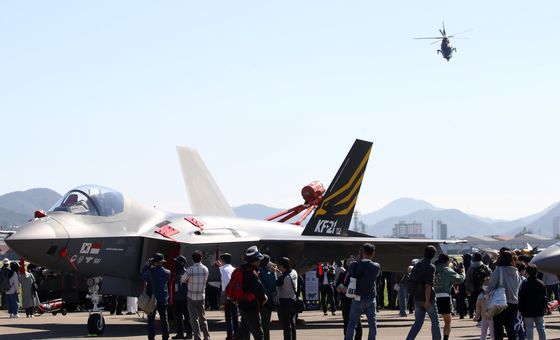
394,255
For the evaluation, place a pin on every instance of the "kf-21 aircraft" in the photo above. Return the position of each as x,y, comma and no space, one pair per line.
548,260
102,234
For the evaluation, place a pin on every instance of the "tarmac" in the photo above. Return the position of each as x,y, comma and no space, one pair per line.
317,327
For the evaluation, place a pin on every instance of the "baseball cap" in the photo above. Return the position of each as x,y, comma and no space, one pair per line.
158,257
180,258
6,260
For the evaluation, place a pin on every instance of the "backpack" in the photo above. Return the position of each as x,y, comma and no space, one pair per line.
414,284
4,281
234,289
478,276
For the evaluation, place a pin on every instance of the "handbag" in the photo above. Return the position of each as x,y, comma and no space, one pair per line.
146,302
497,301
300,304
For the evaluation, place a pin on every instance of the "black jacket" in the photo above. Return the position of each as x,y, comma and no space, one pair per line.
330,276
180,290
532,298
252,283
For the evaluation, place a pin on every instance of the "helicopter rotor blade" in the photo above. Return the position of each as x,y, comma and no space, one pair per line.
437,38
452,35
436,42
443,24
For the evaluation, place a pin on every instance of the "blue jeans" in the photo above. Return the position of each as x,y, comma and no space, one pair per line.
12,302
529,324
161,308
403,296
367,306
419,314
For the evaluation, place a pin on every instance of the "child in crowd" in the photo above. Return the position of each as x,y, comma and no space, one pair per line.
485,320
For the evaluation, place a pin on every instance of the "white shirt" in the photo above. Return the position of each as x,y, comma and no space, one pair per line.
225,272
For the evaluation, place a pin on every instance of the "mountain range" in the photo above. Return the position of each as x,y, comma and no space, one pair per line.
459,223
18,207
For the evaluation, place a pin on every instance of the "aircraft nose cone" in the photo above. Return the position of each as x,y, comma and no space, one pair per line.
42,241
548,260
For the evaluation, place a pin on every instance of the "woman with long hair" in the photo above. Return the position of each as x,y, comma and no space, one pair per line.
507,276
12,294
29,298
287,297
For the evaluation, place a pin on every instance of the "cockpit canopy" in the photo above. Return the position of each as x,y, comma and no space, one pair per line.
91,200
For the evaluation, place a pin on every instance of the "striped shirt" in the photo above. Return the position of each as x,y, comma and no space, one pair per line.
196,277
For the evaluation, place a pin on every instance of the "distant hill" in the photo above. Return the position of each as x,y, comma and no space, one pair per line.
256,211
544,222
399,207
18,207
535,217
459,223
27,202
10,218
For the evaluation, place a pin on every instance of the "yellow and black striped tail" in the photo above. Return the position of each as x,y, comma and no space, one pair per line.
333,216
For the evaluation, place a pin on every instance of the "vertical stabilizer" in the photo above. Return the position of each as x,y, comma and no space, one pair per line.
204,195
333,216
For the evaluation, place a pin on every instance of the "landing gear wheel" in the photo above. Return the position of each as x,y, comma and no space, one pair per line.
96,324
54,313
64,311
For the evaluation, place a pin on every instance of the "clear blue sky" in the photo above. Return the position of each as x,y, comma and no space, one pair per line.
272,94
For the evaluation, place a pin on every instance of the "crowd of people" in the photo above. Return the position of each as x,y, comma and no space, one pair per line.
250,294
470,287
260,286
14,278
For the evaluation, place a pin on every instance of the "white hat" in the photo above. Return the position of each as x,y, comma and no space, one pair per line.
6,260
253,253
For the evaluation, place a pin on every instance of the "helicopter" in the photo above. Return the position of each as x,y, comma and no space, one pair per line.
446,49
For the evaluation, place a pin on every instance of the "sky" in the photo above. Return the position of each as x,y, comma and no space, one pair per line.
273,94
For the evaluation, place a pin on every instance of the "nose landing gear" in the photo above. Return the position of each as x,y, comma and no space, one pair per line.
96,321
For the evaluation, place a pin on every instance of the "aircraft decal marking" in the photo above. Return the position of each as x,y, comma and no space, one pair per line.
86,247
349,208
97,261
195,221
95,248
89,259
354,182
353,191
327,227
80,259
167,231
74,258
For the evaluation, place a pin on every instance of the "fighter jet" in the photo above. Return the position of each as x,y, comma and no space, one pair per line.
99,232
548,260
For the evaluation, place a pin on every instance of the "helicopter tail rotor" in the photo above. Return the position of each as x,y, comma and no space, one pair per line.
442,31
